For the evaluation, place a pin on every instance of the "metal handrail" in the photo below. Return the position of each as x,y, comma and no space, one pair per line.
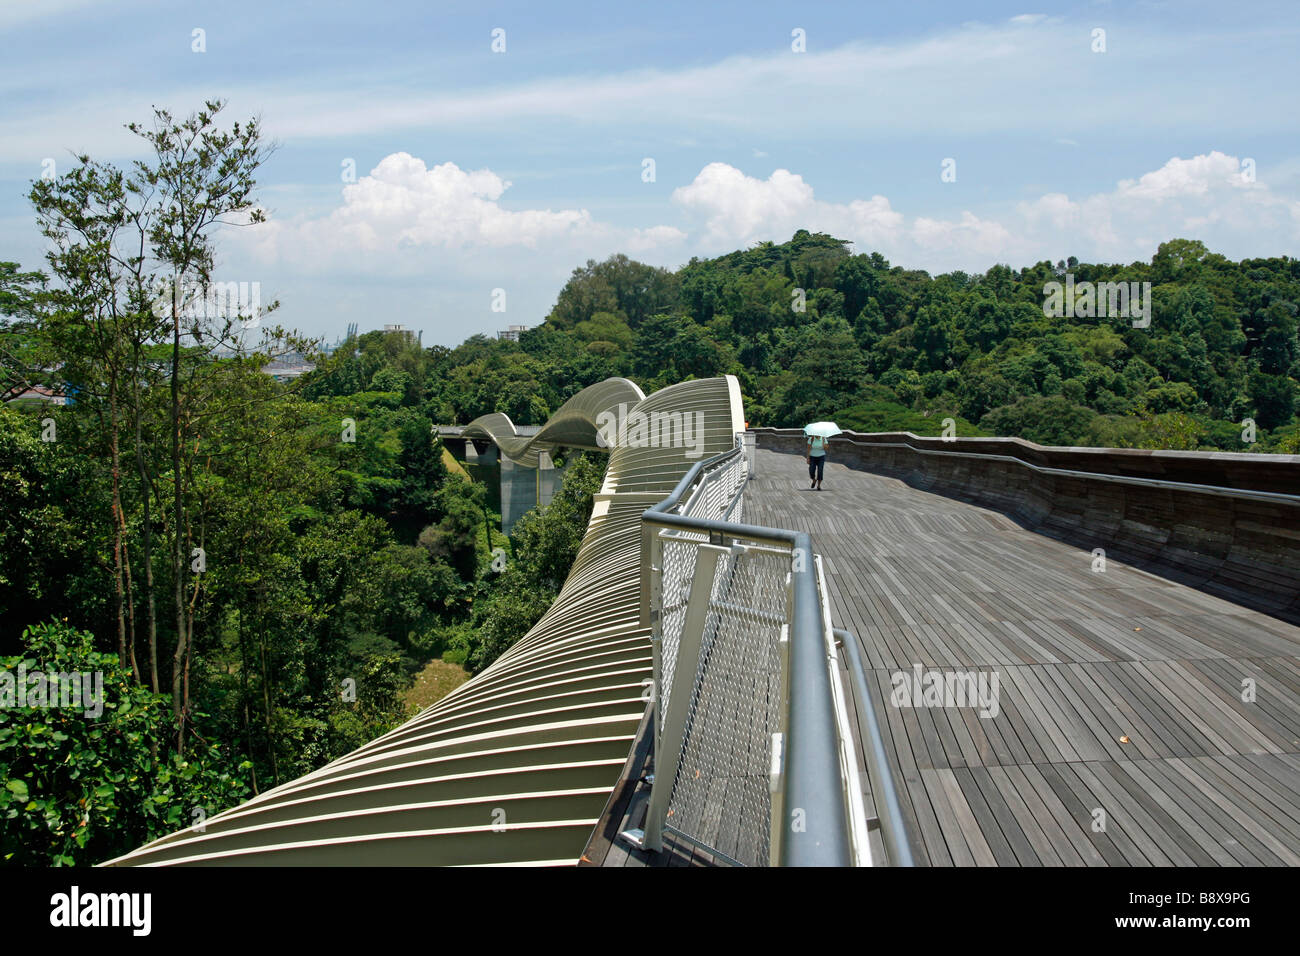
1222,491
818,836
884,792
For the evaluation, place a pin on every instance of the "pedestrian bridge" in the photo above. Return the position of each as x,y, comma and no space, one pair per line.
964,652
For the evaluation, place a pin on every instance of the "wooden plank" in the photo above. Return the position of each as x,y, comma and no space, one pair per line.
1083,658
1080,804
1234,838
1196,771
1154,817
1083,849
1015,836
1031,827
986,820
1201,838
1137,850
949,823
981,852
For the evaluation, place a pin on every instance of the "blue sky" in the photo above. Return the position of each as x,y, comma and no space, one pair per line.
478,170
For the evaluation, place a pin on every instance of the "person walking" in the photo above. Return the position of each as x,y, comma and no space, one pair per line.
815,455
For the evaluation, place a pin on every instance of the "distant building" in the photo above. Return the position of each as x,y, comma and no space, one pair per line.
286,371
400,330
512,334
40,395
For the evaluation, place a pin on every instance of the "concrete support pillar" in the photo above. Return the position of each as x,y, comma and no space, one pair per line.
518,492
549,479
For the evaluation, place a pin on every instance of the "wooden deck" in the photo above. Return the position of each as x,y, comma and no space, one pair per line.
1121,737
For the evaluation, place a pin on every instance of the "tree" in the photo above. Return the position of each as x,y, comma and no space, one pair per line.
1175,256
421,474
455,538
1046,421
95,322
78,791
42,539
21,362
200,177
1274,398
546,541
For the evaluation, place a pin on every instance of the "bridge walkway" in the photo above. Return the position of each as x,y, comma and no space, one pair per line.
1120,737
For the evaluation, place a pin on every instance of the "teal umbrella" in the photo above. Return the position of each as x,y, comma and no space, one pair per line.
822,429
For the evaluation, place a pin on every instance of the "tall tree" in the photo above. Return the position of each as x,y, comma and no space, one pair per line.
201,177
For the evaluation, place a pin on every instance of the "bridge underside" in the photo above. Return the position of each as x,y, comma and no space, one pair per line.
1121,735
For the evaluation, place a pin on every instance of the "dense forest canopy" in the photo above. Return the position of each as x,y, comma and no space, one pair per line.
814,331
260,567
257,569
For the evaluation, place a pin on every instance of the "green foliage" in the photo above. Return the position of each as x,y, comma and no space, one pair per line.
43,540
546,542
81,788
337,564
1047,421
881,412
1222,345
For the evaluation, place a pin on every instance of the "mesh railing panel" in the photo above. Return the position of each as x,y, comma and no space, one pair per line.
678,569
723,670
717,489
721,796
717,494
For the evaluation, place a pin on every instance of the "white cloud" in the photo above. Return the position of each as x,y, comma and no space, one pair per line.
394,217
738,208
404,202
1186,177
443,236
655,239
969,235
391,222
1203,197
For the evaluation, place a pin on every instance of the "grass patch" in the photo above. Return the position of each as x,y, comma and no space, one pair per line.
438,679
454,466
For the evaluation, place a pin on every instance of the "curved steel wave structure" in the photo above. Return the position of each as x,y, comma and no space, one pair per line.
515,766
574,424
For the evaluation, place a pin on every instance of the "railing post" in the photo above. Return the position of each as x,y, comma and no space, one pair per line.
776,828
654,538
668,753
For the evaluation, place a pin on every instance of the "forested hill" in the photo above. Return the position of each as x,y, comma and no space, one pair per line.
813,331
